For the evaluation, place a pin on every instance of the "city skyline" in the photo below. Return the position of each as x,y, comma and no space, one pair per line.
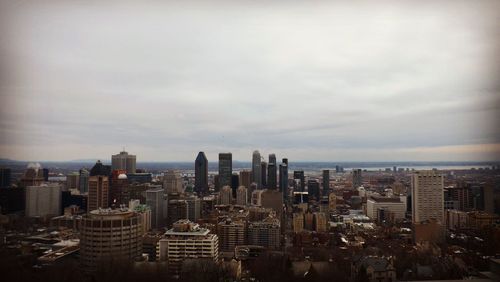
322,81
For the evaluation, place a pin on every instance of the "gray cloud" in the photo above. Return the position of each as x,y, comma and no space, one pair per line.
325,81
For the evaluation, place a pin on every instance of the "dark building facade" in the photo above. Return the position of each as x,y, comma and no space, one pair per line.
313,189
5,177
272,173
326,182
201,174
12,200
225,169
299,174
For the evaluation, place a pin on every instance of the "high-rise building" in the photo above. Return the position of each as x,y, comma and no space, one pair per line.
427,196
201,174
72,180
235,183
256,169
110,234
299,174
272,172
283,179
246,178
186,240
313,189
123,161
177,210
172,181
231,234
298,222
225,169
84,181
326,182
33,176
242,196
100,169
194,208
332,202
118,190
226,195
263,174
4,177
44,200
155,199
265,233
98,192
357,178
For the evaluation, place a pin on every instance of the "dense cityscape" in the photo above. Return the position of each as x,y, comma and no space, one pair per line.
116,221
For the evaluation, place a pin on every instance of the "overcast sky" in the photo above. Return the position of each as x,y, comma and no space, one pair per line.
310,80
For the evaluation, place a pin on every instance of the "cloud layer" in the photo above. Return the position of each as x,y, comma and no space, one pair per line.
316,81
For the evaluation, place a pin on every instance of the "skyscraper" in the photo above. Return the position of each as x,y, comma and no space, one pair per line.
43,200
263,174
313,189
326,182
226,195
242,196
84,181
245,178
118,188
98,192
299,174
256,169
225,169
123,161
155,199
283,179
272,172
427,196
172,181
357,178
33,176
201,174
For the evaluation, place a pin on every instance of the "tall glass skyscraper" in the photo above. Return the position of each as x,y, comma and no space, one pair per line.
201,174
256,169
225,169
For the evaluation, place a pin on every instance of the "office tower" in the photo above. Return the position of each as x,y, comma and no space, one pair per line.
118,190
285,161
231,234
427,196
84,181
265,233
172,181
201,174
226,195
33,176
43,200
144,212
194,208
326,182
98,192
100,169
337,169
123,161
256,169
320,222
155,200
186,240
246,178
299,174
283,179
357,178
177,210
235,183
72,180
242,196
45,172
263,174
225,169
272,172
110,234
4,177
141,178
313,189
